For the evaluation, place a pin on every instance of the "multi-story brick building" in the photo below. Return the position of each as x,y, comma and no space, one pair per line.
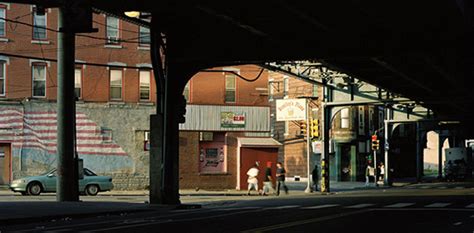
116,95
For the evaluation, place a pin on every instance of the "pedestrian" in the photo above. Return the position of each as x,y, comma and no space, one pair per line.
315,176
381,172
252,180
280,174
369,172
268,181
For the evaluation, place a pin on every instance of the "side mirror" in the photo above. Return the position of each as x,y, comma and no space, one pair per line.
50,175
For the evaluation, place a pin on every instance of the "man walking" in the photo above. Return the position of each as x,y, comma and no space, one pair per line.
280,174
252,173
268,181
314,176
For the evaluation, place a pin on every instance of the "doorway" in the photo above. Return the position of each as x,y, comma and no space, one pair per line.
5,163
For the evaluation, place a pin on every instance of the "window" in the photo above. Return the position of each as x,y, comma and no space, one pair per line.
230,88
116,84
345,118
315,90
39,26
187,92
2,78
144,84
2,21
286,86
144,36
112,30
39,80
78,82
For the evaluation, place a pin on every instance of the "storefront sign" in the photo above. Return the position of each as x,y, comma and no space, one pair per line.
232,120
290,109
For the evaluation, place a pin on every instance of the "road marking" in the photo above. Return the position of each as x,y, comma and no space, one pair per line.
424,187
319,206
359,206
470,206
306,221
457,223
399,205
458,187
282,207
237,208
442,187
437,205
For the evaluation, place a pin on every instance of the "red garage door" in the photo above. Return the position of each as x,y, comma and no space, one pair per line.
248,157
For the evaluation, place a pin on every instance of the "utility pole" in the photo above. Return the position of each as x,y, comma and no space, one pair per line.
308,148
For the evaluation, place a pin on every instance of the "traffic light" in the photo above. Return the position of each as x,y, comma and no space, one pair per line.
303,128
375,142
314,133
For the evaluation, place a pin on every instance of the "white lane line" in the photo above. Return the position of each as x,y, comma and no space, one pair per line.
470,206
399,205
425,187
282,207
442,187
319,206
359,206
438,205
237,208
458,187
457,223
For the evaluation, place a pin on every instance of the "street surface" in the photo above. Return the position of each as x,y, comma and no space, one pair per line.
416,208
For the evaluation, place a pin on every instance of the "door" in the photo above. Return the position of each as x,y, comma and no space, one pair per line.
346,166
249,156
5,164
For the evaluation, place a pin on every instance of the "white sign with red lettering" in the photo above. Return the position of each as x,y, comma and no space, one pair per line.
290,109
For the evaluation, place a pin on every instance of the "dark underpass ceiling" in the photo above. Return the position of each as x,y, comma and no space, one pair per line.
420,49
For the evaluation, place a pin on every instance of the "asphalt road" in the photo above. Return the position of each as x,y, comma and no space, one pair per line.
395,210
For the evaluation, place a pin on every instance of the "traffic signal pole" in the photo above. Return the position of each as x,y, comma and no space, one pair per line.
308,148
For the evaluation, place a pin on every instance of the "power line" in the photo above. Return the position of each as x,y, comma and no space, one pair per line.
79,35
80,63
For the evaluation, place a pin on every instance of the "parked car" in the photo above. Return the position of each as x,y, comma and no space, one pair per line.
90,184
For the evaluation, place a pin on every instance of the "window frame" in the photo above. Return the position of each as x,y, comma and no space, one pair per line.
45,66
140,42
234,89
3,77
114,41
140,86
345,118
81,81
4,8
45,26
111,86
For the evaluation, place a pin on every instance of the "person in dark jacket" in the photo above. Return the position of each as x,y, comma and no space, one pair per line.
314,176
280,174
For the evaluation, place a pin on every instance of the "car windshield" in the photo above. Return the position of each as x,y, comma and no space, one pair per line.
88,172
53,171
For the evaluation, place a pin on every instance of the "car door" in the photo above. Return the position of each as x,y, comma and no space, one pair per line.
49,182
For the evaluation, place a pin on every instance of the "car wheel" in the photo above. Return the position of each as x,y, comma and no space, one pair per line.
34,189
24,193
92,190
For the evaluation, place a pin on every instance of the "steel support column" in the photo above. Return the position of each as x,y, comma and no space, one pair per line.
440,154
67,185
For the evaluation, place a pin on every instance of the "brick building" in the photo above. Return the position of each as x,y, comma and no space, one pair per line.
116,95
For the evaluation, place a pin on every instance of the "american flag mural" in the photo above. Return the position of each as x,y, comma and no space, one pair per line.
34,134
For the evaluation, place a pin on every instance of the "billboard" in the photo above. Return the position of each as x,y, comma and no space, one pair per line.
290,109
